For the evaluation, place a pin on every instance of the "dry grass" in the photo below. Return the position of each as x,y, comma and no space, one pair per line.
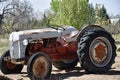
4,44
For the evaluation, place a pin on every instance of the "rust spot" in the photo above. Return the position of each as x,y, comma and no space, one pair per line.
100,51
47,31
40,68
118,49
10,65
28,33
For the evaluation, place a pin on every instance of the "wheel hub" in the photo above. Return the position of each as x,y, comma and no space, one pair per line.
40,67
100,52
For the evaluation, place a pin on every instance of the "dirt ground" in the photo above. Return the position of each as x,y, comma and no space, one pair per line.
74,74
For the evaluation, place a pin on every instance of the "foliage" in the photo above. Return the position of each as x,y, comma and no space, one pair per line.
114,28
3,45
78,13
41,20
18,15
102,17
91,15
47,16
70,12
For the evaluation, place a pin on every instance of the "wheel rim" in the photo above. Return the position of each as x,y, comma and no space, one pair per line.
100,51
41,67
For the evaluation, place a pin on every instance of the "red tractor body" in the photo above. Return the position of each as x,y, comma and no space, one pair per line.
54,49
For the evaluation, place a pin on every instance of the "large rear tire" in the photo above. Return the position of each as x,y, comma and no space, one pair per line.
7,67
96,51
65,64
39,66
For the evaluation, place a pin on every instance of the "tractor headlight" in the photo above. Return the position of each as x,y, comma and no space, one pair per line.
25,42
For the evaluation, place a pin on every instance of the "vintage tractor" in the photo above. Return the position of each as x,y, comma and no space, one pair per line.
63,47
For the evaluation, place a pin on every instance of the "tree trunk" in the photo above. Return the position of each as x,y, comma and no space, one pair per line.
1,29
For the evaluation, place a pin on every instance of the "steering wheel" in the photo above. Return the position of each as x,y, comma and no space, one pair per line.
57,27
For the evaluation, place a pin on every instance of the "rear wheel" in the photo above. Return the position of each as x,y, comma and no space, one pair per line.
65,64
7,67
39,66
96,51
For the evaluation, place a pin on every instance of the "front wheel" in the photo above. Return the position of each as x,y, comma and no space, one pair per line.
39,66
7,67
96,51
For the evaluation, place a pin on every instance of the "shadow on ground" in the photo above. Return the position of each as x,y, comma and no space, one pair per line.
75,72
4,78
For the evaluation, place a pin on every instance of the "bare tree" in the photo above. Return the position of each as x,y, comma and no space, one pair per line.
2,14
16,15
2,0
22,15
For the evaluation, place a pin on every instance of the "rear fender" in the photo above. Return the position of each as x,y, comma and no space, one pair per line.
89,28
